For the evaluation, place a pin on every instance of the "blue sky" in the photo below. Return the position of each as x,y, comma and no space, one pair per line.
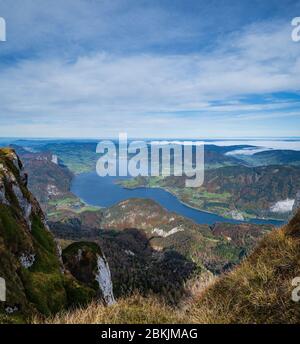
171,68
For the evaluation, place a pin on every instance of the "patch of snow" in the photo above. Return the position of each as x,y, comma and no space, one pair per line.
284,206
103,277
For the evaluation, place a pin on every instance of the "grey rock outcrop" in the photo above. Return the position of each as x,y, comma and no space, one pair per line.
103,277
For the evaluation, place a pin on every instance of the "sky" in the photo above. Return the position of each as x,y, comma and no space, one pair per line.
167,68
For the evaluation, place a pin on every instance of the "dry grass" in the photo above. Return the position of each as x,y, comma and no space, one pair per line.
259,291
132,310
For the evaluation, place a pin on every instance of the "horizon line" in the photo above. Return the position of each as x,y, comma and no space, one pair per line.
148,137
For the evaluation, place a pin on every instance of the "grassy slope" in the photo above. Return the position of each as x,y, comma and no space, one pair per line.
135,309
259,291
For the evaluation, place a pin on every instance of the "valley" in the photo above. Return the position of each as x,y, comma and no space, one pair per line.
143,245
237,192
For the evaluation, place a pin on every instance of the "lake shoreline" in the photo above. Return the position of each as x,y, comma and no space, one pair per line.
106,192
199,209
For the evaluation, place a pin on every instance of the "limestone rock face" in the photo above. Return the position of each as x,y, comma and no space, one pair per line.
32,278
87,263
103,277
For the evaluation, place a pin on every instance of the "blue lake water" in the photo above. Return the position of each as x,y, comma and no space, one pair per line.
102,191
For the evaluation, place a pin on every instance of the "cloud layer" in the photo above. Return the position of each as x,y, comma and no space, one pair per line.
245,83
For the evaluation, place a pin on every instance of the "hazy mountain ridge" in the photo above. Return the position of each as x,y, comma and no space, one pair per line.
247,191
272,157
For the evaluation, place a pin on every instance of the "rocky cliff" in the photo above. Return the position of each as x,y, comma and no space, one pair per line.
88,264
35,278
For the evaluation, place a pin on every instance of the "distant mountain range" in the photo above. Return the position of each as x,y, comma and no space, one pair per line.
234,191
232,187
272,157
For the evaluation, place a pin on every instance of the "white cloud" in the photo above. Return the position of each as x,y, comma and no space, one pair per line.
259,145
283,206
248,151
144,94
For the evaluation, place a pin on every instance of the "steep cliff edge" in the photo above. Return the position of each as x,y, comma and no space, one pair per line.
31,266
88,264
29,260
